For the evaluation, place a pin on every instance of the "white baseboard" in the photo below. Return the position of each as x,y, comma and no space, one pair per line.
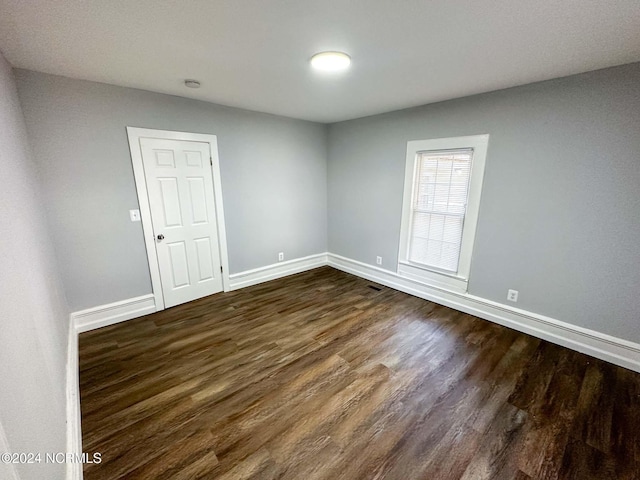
276,270
116,312
600,345
74,429
606,347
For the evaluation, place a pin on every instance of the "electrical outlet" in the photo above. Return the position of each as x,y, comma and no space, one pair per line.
512,295
134,215
281,256
379,260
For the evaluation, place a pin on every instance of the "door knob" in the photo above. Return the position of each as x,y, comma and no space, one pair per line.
160,237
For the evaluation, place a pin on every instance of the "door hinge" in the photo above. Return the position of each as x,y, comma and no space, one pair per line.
221,271
211,161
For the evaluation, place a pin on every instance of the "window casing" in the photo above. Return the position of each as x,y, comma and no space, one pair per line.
443,183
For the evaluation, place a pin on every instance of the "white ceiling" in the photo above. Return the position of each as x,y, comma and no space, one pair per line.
254,53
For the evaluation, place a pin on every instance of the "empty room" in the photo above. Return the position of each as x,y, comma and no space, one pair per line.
339,240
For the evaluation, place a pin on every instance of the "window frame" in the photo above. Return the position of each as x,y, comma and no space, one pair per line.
434,276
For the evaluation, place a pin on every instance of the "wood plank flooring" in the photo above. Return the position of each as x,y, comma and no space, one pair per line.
323,375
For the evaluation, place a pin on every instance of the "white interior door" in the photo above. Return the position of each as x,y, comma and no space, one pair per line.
182,204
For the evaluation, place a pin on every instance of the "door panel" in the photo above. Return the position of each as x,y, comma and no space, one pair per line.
197,197
170,200
204,260
165,158
194,159
179,264
181,197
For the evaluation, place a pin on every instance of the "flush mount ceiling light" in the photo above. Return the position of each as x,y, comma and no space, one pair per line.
192,83
330,61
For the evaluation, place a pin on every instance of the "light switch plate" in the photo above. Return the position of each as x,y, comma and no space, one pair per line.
134,215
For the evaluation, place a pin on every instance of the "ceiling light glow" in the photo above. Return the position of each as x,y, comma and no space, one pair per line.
330,61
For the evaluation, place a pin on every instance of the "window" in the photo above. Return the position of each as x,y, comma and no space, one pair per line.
442,189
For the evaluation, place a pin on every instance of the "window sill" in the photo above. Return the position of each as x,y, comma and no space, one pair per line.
432,278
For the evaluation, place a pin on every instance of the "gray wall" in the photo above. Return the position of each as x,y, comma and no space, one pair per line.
560,212
33,314
558,216
273,180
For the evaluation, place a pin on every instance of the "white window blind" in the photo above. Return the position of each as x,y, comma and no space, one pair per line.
438,208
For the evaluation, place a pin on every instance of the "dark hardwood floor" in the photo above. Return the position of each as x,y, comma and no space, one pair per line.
323,375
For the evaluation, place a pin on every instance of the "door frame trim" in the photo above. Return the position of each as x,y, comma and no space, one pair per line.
134,134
